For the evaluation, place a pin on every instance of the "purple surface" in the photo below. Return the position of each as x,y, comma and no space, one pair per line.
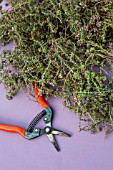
82,151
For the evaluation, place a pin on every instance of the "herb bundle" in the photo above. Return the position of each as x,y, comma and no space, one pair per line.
58,44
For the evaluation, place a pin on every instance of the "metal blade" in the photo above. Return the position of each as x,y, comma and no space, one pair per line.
52,139
57,132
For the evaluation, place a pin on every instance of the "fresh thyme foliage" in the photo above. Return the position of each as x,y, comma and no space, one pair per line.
58,44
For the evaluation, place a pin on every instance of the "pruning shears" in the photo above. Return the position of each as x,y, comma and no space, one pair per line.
33,132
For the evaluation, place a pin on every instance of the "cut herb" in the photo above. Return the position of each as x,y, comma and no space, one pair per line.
58,44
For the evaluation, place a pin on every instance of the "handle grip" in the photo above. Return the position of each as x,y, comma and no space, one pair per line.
40,99
13,129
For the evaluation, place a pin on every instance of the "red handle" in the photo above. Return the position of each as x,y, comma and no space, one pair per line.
40,99
14,129
17,129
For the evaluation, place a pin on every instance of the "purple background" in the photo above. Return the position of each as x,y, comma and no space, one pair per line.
82,151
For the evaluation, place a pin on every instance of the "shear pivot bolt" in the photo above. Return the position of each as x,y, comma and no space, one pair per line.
45,118
36,130
47,130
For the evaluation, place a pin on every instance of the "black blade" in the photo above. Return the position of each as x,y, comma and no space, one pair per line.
52,139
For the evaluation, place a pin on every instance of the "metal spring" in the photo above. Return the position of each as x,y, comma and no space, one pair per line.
35,121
